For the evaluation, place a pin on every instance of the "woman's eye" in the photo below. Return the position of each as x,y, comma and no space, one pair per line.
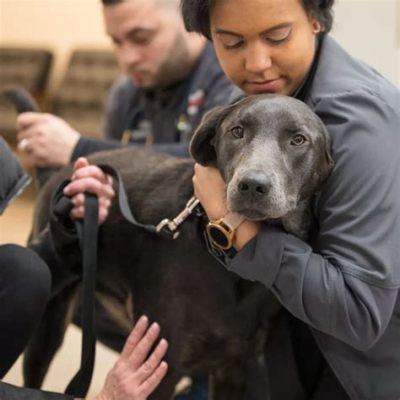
237,132
232,46
298,140
280,36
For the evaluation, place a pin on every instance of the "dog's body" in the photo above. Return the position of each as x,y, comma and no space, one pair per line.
214,321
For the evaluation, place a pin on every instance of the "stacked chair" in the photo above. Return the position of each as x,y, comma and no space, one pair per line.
29,68
81,96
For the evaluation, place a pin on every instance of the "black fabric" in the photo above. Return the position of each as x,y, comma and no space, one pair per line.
307,356
295,366
10,392
24,292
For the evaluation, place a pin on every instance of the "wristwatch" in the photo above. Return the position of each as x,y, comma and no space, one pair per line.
222,231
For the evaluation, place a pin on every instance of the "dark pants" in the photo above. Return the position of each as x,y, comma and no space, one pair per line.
24,291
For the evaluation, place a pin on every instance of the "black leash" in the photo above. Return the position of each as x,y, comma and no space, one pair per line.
169,229
79,385
87,231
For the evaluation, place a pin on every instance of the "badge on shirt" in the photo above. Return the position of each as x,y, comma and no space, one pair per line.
195,101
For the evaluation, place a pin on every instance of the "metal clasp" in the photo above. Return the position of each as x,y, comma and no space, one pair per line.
169,227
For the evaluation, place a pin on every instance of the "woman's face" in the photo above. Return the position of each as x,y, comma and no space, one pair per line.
264,46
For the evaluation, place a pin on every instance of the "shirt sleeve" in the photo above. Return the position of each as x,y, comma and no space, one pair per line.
346,283
116,116
88,145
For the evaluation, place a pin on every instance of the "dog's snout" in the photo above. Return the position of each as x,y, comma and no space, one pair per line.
254,184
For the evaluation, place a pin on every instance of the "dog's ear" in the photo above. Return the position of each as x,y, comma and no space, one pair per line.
201,146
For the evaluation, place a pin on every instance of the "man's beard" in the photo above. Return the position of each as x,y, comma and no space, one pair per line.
175,67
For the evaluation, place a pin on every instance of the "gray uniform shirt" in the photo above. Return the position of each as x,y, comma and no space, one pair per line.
345,283
170,115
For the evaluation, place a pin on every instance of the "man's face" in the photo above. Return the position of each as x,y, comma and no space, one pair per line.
148,39
264,46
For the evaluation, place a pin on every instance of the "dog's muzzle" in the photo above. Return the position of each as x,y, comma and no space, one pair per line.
254,186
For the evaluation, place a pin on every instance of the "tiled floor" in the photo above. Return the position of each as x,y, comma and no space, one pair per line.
14,228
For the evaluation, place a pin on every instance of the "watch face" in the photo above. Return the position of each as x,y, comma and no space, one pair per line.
219,237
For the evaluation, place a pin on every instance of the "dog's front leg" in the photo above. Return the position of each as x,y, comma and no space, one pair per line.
228,382
166,389
48,337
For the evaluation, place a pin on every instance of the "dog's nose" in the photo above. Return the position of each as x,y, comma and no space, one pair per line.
254,184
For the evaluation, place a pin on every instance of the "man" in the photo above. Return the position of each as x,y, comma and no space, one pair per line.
171,78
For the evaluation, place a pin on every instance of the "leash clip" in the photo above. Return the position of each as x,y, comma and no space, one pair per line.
170,228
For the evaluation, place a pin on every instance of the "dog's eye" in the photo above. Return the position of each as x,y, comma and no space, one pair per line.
298,140
237,132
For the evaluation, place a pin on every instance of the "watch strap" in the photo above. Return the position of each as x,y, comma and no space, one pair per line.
232,220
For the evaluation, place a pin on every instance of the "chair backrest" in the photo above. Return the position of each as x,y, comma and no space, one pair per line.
81,96
28,67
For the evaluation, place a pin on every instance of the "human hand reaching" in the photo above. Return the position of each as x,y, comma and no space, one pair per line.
89,178
138,371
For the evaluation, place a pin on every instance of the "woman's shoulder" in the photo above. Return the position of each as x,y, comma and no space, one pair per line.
340,75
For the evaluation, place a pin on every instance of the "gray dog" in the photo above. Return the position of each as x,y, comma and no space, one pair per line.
273,154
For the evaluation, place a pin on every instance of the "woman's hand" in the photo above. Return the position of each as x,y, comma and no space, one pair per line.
210,189
136,374
89,178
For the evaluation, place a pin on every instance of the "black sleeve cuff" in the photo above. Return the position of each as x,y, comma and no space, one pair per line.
88,145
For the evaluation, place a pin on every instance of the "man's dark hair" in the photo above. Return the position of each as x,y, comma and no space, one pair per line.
196,14
111,2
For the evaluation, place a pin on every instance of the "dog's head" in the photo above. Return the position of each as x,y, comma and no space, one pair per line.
272,152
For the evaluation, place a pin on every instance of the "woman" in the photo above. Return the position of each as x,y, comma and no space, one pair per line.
25,289
339,338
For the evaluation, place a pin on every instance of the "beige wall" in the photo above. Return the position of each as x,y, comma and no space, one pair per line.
370,30
59,25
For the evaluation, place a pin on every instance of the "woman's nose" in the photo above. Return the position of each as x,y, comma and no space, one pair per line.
258,58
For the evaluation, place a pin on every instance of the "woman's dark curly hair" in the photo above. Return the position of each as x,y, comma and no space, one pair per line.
196,14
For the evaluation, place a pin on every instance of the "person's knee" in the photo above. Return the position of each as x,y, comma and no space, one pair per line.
25,278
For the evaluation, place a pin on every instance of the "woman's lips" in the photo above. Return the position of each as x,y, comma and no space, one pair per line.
270,86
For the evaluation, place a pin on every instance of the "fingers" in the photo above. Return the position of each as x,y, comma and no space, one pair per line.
135,336
149,385
141,351
89,178
136,374
148,368
27,119
81,162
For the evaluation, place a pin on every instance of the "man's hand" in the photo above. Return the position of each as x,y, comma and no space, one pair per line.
89,178
137,372
48,141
